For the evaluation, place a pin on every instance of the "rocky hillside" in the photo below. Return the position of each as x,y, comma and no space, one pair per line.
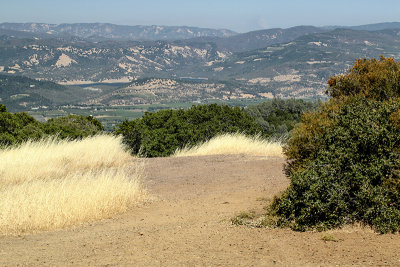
295,62
156,90
259,39
83,61
303,66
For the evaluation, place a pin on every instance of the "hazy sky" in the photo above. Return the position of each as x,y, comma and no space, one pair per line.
236,15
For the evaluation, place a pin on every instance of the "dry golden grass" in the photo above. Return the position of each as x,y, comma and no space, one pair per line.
49,159
50,185
234,144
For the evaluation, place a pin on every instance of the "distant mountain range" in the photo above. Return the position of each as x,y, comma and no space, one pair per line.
303,66
104,31
293,62
368,27
227,38
258,39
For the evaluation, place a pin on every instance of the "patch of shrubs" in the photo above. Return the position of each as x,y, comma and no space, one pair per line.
160,133
73,127
19,127
343,160
278,117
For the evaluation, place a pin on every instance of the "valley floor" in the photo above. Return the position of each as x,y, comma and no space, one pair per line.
188,223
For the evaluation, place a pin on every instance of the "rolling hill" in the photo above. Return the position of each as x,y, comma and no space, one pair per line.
302,67
258,39
20,93
294,62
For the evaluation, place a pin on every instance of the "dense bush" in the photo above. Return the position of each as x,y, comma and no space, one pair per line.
343,160
161,133
73,127
19,127
278,117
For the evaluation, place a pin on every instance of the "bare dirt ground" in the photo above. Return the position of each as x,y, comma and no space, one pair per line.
188,224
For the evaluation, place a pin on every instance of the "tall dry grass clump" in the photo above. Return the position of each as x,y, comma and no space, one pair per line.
51,158
54,184
234,144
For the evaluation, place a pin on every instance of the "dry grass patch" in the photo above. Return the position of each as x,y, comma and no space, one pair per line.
50,158
234,144
329,238
54,184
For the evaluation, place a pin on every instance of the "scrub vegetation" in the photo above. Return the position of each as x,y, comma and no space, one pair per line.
161,133
343,159
16,128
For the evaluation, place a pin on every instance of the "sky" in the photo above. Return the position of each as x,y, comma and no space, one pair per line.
240,16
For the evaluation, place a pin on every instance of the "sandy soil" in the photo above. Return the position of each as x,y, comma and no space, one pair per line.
189,224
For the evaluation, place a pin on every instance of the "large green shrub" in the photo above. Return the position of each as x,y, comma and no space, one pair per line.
343,160
161,133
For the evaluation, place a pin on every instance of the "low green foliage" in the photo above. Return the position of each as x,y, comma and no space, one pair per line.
344,159
73,127
278,117
243,218
160,133
19,127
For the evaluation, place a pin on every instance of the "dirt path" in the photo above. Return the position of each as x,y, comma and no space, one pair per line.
189,224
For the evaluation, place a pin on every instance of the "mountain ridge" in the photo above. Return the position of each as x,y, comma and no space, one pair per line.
297,62
258,39
101,31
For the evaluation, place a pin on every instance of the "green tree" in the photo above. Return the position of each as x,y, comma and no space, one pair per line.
3,108
18,127
73,127
278,117
343,159
161,133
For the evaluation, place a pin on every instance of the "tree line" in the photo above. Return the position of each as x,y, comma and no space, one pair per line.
160,133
